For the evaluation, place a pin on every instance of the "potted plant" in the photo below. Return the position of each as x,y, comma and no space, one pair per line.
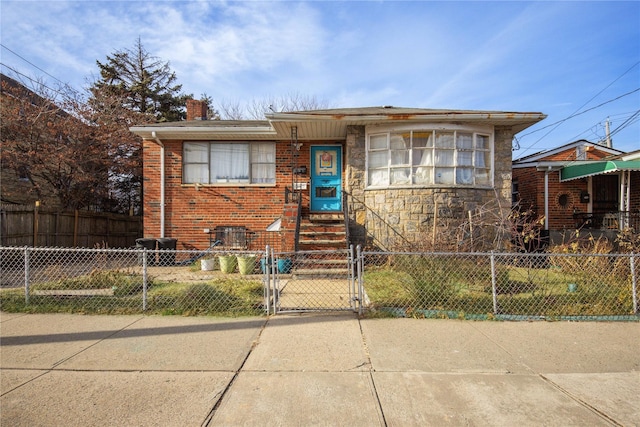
208,264
246,263
228,263
284,265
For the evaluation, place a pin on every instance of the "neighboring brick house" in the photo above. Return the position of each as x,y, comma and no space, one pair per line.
580,185
15,187
387,167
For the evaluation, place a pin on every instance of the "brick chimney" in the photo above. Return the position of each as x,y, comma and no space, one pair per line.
196,110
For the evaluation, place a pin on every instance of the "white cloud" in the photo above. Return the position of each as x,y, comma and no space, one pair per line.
543,56
211,44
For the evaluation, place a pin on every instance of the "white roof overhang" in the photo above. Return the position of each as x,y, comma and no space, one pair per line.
328,125
333,124
196,133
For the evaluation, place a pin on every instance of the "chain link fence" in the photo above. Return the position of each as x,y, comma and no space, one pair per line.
233,283
502,286
117,281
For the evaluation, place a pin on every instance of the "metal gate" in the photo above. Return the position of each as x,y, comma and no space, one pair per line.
313,281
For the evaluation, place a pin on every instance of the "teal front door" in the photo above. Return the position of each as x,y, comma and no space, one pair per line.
326,178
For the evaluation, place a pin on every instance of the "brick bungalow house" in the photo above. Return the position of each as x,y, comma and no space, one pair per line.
580,185
387,168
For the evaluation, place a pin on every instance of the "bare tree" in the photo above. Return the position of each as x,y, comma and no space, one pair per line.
106,112
62,150
231,110
291,102
257,108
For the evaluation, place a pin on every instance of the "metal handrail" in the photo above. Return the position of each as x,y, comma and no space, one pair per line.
609,220
345,212
298,219
388,226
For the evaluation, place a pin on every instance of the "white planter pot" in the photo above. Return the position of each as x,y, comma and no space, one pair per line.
207,264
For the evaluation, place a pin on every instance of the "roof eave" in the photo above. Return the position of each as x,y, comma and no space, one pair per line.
197,133
422,117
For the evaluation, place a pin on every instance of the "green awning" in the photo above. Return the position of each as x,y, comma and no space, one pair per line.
568,173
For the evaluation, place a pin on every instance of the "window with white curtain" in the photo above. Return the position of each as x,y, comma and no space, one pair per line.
229,162
429,158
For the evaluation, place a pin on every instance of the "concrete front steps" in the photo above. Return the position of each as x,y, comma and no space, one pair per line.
326,235
322,232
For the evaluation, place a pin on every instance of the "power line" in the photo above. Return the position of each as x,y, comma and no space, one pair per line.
577,113
626,123
598,129
559,122
36,67
35,81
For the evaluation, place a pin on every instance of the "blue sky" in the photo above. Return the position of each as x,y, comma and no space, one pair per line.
560,58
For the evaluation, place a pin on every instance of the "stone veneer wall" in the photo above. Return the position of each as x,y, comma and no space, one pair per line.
410,211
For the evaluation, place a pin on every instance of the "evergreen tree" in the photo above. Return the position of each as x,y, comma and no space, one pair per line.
147,84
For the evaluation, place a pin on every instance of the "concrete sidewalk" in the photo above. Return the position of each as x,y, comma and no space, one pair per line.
315,369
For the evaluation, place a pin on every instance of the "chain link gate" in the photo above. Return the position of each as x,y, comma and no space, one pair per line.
509,286
312,281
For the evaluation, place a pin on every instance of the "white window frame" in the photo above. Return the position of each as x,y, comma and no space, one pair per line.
459,157
212,178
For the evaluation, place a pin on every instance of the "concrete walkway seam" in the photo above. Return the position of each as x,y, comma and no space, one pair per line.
580,401
373,382
207,420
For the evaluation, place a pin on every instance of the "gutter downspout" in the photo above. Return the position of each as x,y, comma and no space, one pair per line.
162,178
546,198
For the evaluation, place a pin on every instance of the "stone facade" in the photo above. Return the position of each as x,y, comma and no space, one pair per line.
410,211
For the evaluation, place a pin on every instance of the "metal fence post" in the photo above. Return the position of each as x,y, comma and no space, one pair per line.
634,283
267,281
352,278
144,279
493,283
360,267
275,278
26,275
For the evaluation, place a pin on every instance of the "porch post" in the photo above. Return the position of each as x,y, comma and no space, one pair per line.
625,181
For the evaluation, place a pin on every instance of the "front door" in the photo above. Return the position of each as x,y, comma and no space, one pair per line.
606,191
326,178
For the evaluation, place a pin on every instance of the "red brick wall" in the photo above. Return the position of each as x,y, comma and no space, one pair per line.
190,210
561,218
531,188
528,188
593,154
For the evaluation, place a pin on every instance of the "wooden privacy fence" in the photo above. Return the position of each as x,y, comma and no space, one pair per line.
22,225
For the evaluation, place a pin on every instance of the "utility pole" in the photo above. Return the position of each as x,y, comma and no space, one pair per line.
608,132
